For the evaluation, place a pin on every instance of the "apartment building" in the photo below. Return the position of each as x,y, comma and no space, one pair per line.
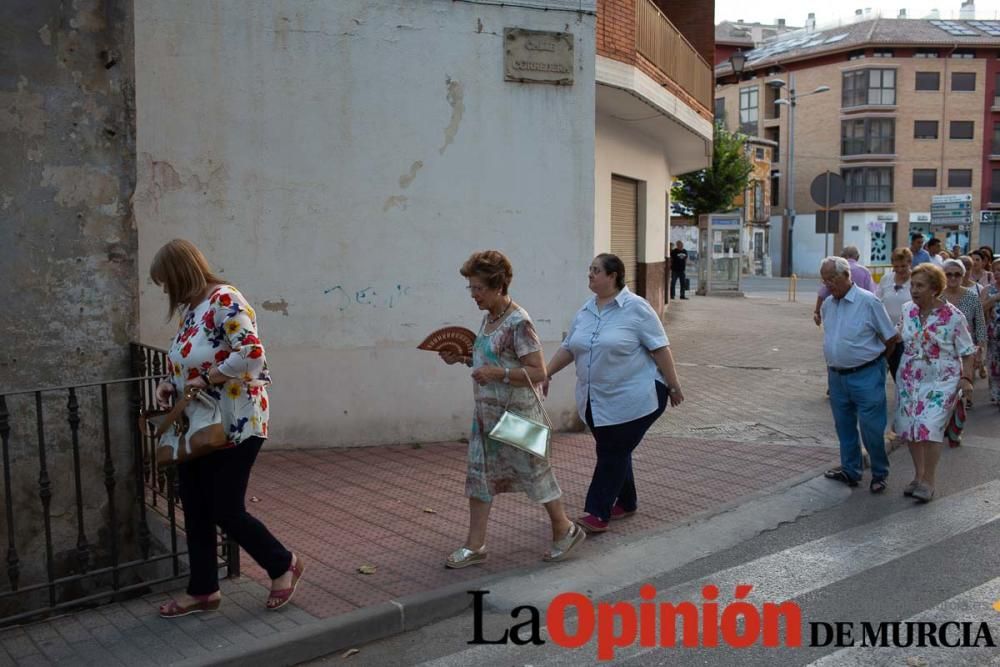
903,109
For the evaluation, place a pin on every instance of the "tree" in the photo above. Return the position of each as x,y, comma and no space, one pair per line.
714,189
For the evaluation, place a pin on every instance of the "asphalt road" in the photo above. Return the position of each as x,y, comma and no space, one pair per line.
841,555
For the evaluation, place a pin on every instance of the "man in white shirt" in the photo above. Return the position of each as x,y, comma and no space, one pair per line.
857,332
934,250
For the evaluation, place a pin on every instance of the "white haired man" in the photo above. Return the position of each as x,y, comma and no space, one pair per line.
857,334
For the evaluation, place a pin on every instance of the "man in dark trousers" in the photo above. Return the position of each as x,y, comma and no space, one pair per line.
678,264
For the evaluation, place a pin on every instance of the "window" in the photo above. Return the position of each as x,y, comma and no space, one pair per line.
748,110
996,91
963,54
959,178
925,129
869,86
758,200
928,81
868,184
775,189
926,53
883,53
995,186
864,136
995,146
963,81
720,109
759,154
961,129
856,55
925,178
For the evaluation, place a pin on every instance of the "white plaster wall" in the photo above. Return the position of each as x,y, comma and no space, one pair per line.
807,247
622,151
338,161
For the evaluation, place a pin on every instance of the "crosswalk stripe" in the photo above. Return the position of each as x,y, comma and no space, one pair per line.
791,573
974,605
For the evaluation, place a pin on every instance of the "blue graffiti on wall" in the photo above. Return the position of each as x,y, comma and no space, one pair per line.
369,297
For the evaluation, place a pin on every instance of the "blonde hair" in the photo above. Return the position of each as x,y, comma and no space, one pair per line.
185,272
935,276
902,253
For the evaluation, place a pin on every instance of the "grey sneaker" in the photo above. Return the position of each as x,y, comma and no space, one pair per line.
910,488
923,493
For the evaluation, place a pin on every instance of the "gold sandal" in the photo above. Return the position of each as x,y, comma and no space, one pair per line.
464,557
562,548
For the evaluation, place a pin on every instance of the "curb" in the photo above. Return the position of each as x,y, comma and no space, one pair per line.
352,629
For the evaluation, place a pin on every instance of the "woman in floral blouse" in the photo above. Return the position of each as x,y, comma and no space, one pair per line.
937,362
217,349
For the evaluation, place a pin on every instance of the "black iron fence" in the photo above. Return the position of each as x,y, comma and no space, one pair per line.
89,517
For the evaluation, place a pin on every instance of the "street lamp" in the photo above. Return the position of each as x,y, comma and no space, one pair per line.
738,61
791,101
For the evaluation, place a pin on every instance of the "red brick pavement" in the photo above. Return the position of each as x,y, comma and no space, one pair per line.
343,508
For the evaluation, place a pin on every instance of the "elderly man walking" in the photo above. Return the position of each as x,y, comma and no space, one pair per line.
857,334
860,275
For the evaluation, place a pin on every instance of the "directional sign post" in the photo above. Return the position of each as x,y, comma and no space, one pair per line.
951,209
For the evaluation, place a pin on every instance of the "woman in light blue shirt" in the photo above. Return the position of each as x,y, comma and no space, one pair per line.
624,376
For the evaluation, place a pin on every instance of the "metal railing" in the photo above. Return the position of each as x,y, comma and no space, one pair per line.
662,43
78,478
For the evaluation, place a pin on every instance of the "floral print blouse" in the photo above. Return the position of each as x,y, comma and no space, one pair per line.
222,331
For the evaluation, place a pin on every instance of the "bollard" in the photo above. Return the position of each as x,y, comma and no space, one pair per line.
792,287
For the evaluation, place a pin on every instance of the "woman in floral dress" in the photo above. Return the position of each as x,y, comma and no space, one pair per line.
217,350
937,361
507,362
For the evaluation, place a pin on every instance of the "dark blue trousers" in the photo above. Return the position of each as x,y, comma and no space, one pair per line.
213,490
613,479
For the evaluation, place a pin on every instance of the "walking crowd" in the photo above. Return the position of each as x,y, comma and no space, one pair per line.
625,377
933,322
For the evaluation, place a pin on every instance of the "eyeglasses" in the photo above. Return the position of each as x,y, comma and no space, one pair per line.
477,289
953,275
594,270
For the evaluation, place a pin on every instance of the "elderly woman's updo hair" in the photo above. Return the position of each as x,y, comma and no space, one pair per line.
185,272
613,264
490,266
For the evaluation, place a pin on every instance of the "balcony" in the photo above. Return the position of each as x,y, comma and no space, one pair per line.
662,44
638,33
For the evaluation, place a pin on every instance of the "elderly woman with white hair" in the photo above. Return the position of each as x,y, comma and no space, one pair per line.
967,301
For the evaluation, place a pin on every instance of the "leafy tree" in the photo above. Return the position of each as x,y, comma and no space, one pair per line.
713,189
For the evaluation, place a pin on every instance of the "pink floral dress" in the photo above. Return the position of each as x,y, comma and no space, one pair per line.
222,331
927,382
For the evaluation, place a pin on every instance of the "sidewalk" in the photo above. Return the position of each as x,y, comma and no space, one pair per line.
755,418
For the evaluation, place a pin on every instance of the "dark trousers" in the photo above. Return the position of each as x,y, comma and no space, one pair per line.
894,359
213,490
674,277
613,479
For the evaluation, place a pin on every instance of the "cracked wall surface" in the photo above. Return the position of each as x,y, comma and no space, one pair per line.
67,262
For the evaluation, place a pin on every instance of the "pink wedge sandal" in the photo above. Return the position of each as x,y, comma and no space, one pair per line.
173,609
279,598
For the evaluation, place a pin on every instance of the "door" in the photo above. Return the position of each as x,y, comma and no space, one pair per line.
625,225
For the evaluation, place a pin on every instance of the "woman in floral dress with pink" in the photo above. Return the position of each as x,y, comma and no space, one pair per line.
938,355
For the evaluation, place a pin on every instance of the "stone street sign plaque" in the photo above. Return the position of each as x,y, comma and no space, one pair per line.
537,56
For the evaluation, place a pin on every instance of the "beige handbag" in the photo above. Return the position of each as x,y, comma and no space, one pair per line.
192,428
523,433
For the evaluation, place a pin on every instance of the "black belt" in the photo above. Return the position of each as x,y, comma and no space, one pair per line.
848,371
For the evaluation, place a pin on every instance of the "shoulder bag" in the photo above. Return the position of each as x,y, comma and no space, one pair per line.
523,433
192,428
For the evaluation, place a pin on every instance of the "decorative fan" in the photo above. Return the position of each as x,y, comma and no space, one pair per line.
450,339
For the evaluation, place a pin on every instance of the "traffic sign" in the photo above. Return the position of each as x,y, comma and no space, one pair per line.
827,189
951,209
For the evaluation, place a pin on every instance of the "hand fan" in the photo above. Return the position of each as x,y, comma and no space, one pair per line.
450,339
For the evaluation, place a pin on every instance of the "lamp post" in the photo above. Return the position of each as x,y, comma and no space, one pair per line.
791,101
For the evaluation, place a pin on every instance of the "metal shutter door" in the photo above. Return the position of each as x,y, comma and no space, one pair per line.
624,225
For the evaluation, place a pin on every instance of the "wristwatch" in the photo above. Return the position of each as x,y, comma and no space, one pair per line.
506,376
672,390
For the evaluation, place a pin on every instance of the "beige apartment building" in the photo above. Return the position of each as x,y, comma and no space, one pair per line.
902,109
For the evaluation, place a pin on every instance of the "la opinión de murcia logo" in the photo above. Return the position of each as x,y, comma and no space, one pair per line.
739,624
